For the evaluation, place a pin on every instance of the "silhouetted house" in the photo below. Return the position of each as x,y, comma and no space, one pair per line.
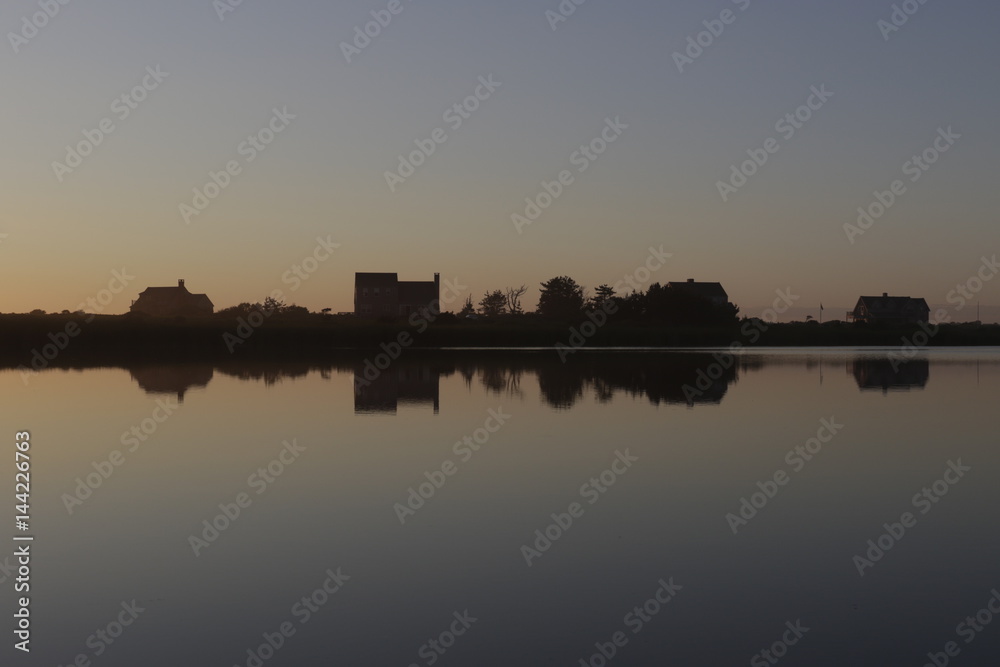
887,309
384,295
172,302
711,291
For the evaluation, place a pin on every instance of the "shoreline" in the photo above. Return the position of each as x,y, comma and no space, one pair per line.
58,339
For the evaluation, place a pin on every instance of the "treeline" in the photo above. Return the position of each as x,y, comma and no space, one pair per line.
269,307
39,342
563,298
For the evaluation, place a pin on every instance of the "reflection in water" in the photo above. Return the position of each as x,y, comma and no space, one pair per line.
890,375
270,372
667,517
171,379
404,382
688,378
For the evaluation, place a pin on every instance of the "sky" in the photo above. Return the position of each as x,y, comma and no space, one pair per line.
348,107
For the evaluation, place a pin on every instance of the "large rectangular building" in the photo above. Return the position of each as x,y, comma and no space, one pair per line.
384,295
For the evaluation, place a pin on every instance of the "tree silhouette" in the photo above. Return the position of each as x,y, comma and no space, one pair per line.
561,297
683,307
272,305
493,304
602,294
513,296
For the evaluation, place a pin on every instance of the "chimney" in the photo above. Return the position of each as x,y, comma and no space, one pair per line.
690,280
885,295
437,285
180,283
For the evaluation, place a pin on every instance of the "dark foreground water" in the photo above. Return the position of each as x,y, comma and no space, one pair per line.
509,509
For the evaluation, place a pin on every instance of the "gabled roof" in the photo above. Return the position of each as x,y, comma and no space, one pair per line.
163,292
202,299
707,290
177,296
893,305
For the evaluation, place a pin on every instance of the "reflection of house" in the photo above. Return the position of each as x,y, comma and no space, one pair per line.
384,295
887,309
711,291
889,375
172,302
400,383
172,379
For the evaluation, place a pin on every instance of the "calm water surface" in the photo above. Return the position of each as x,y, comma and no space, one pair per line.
422,490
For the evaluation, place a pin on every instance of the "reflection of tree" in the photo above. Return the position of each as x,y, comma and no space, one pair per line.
660,377
604,391
560,390
502,381
269,372
688,378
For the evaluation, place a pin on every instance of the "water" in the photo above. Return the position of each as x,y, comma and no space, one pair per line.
681,458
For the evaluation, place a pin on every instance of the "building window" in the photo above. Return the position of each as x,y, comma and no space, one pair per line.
387,309
364,291
366,309
388,291
377,292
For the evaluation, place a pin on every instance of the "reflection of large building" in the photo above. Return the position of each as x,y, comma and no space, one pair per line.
886,375
171,379
400,383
